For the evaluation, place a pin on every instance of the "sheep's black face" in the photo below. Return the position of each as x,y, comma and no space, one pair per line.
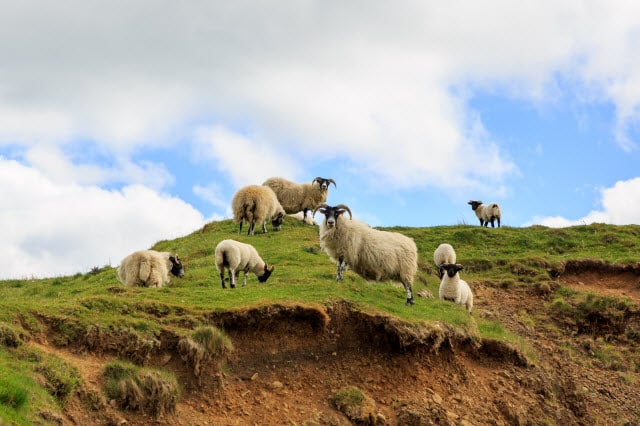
324,183
331,214
452,269
267,273
474,204
176,266
276,222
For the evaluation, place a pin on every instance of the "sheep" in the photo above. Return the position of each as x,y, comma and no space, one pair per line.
149,268
236,256
308,219
257,204
296,197
486,212
442,255
454,288
371,253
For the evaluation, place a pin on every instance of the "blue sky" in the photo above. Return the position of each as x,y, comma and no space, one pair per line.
120,127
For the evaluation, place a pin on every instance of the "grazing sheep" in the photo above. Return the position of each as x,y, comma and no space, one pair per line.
236,256
486,212
371,253
443,254
296,197
257,204
149,268
454,288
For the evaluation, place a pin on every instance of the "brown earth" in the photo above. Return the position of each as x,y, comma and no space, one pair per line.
290,360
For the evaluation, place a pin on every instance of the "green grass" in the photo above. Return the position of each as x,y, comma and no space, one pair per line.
504,257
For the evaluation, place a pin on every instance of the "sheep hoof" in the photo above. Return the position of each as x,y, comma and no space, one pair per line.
410,302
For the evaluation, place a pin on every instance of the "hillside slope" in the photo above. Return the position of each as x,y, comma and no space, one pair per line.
554,339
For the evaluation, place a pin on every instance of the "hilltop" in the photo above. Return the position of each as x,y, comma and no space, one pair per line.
554,338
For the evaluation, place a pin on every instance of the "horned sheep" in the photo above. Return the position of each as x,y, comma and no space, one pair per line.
454,288
149,268
373,254
257,204
442,255
236,256
304,197
486,213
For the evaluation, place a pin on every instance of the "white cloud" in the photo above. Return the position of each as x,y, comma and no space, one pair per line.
52,228
368,81
247,161
620,206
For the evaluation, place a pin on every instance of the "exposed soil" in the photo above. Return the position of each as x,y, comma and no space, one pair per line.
290,360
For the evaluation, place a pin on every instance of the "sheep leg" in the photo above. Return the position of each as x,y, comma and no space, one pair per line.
407,288
341,265
233,275
250,230
264,227
222,278
304,214
240,230
244,281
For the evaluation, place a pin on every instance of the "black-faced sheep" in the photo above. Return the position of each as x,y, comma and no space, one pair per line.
296,197
454,288
149,268
236,256
371,253
442,255
257,204
486,213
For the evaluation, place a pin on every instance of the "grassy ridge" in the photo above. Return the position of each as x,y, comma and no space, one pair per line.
64,307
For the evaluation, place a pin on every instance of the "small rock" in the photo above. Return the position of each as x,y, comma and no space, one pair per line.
437,398
254,377
277,385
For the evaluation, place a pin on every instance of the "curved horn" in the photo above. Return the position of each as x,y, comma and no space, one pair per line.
333,182
318,179
342,206
321,206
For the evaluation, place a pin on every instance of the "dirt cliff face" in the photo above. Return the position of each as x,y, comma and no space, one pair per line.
290,361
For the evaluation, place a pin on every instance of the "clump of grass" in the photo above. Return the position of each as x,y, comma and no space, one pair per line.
139,389
12,394
356,405
9,336
205,346
61,377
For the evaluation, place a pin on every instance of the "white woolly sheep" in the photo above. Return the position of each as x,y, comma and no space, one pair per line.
442,255
454,288
296,197
257,204
149,268
371,253
486,213
236,256
309,220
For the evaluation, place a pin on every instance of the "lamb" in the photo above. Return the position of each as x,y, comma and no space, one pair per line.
257,204
236,256
442,255
486,212
149,268
454,288
371,253
296,197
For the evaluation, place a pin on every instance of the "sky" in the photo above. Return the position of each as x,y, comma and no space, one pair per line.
126,123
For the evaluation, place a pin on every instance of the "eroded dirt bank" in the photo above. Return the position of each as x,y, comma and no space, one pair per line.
290,360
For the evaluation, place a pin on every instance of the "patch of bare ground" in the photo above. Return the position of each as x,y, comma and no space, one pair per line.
290,360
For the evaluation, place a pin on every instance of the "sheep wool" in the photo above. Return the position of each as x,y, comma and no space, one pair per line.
149,268
373,254
257,204
296,197
454,288
236,256
443,254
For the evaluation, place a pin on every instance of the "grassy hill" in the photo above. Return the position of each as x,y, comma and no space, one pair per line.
66,310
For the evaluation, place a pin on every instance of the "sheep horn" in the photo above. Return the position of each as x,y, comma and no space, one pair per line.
342,206
333,182
318,179
318,208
